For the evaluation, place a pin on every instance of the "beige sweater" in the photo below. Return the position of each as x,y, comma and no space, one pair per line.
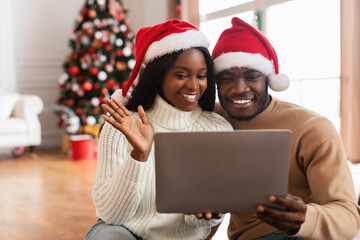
124,191
319,174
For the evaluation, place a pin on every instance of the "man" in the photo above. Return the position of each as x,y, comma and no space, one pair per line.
321,201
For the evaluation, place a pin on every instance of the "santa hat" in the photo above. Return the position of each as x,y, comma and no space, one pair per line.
155,41
244,46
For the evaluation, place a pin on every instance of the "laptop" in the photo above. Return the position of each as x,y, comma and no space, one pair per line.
233,171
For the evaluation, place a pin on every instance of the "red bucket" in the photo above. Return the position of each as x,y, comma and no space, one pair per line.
82,147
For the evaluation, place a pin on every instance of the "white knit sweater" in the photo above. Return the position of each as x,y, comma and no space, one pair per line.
124,191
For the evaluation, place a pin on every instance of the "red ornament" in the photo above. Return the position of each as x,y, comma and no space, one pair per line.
70,102
120,17
94,71
96,110
87,86
91,13
94,56
81,77
101,100
78,111
110,83
105,91
91,50
97,86
75,56
74,70
119,53
108,47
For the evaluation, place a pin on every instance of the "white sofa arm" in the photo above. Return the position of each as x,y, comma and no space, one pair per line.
29,107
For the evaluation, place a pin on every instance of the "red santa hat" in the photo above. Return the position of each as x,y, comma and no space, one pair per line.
155,41
244,46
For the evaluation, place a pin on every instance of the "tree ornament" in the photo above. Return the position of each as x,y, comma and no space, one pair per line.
86,86
96,110
123,28
78,111
119,42
94,56
131,63
85,40
119,53
75,87
103,58
97,86
95,101
92,13
84,65
108,47
104,22
91,120
98,34
81,78
120,66
74,70
109,68
110,83
110,21
96,43
97,63
102,76
127,51
80,93
63,78
70,102
97,23
87,25
104,91
94,71
116,29
101,2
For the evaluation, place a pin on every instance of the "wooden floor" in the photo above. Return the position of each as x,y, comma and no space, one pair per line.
46,198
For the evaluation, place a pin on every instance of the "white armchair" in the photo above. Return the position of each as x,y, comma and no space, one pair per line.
19,121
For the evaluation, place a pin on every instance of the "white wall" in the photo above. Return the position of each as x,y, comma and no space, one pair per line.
146,12
41,32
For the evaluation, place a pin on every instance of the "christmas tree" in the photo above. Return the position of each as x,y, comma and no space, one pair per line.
100,61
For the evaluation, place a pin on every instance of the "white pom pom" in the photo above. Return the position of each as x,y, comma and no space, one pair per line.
118,96
279,82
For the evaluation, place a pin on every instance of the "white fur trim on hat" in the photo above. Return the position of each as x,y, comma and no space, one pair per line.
279,82
118,96
176,42
241,59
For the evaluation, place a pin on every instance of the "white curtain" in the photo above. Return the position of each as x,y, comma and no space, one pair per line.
7,57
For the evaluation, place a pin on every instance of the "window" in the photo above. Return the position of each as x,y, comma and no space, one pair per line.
306,37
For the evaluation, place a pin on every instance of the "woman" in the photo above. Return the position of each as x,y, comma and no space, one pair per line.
175,92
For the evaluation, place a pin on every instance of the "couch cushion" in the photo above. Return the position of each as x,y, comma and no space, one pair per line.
13,126
7,103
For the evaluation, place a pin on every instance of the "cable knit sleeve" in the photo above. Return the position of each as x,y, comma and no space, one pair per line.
192,220
119,178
